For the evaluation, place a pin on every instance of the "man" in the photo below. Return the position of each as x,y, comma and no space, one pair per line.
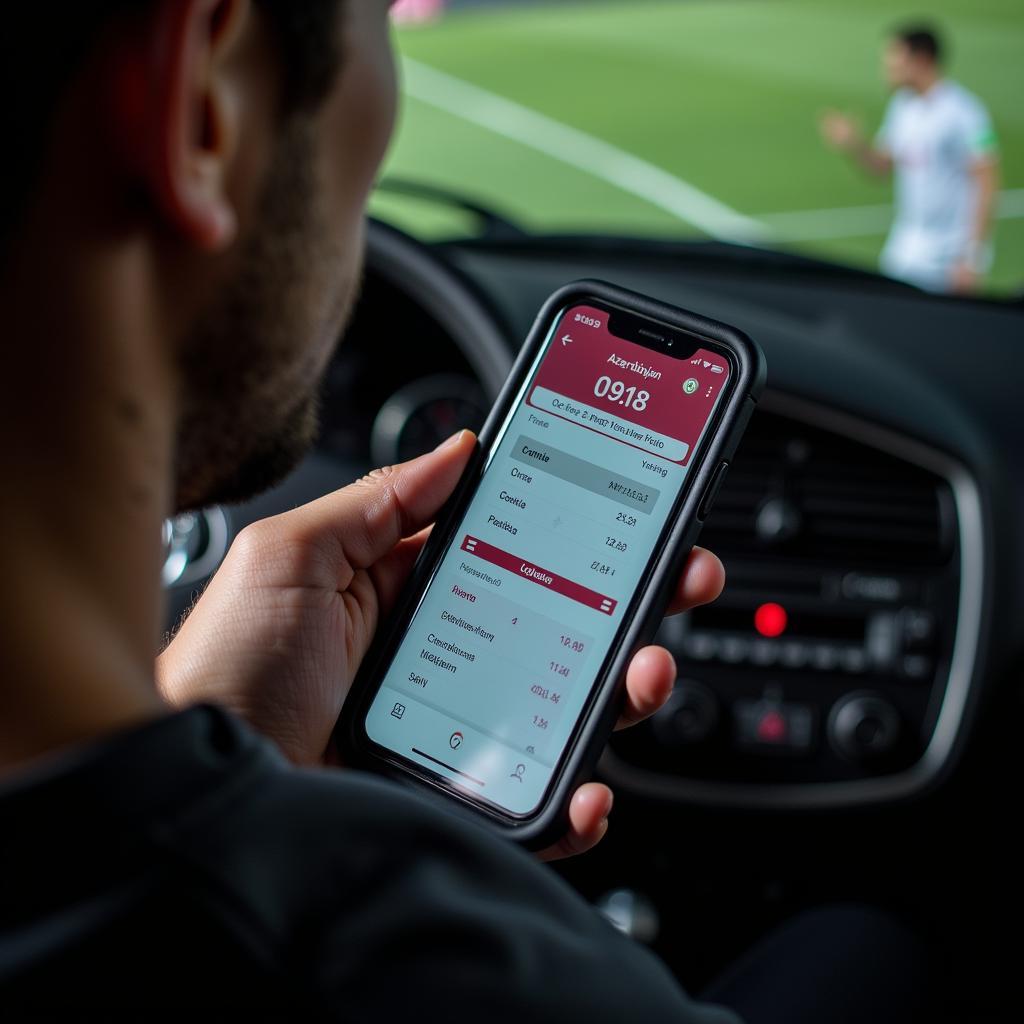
181,246
180,254
938,140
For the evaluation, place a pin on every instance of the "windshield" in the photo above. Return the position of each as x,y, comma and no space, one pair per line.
788,124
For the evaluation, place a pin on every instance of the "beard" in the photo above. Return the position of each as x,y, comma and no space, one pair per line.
251,370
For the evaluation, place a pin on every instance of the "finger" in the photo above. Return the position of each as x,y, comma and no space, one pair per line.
369,517
588,822
702,580
649,681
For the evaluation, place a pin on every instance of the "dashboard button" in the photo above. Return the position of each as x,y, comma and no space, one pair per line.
734,649
689,717
770,725
854,660
882,640
917,666
825,657
863,726
701,647
795,654
764,652
711,493
918,627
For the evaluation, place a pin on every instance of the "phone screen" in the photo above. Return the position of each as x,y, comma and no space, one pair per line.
488,683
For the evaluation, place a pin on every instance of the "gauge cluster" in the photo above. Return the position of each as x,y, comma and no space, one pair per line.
422,413
398,385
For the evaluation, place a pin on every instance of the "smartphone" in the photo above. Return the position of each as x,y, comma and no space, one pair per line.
500,675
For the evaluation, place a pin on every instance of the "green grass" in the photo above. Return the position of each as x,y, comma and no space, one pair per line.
723,94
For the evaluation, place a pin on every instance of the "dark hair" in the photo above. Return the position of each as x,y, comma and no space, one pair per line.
41,48
921,40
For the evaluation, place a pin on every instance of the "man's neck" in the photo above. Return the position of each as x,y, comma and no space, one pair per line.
927,83
86,404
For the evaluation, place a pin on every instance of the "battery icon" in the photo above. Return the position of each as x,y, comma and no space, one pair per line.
716,369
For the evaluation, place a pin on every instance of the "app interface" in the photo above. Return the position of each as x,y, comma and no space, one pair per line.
487,685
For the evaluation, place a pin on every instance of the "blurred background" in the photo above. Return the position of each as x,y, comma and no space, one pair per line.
679,118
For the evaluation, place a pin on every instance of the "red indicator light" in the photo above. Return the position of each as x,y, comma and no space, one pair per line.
770,619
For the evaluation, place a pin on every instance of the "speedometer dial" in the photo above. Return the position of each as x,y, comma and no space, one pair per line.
419,416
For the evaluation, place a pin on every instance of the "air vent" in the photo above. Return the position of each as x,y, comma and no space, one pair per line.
806,493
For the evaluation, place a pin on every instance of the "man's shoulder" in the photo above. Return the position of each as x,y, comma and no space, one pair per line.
347,882
392,883
959,99
310,844
363,880
323,817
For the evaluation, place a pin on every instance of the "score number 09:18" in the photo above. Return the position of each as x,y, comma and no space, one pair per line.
616,391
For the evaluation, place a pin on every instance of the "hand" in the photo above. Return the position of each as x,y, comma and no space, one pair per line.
840,130
282,627
964,279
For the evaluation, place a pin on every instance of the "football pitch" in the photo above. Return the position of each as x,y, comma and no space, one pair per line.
685,118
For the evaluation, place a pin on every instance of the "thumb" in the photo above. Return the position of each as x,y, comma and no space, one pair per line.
369,517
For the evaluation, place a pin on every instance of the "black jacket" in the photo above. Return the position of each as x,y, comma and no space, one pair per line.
186,865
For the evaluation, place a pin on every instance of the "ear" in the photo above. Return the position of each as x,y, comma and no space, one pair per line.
191,131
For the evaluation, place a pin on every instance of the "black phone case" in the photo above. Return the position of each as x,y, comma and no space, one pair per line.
653,592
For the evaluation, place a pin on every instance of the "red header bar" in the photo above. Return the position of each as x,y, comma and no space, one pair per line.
534,573
669,396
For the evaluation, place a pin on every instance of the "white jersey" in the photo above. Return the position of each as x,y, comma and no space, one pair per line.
933,139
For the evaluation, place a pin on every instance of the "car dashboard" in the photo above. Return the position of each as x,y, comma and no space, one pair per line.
853,695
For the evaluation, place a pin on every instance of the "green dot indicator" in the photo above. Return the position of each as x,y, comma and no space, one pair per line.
690,385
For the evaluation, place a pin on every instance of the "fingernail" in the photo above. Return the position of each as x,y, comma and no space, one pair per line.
453,440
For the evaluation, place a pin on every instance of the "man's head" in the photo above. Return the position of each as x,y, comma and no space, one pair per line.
912,58
229,147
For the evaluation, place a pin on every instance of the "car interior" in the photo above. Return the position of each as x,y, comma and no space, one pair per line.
842,728
844,724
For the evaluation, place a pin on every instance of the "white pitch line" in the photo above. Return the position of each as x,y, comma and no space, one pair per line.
578,149
854,221
840,222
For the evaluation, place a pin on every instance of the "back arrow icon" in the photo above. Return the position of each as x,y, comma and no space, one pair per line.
566,340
